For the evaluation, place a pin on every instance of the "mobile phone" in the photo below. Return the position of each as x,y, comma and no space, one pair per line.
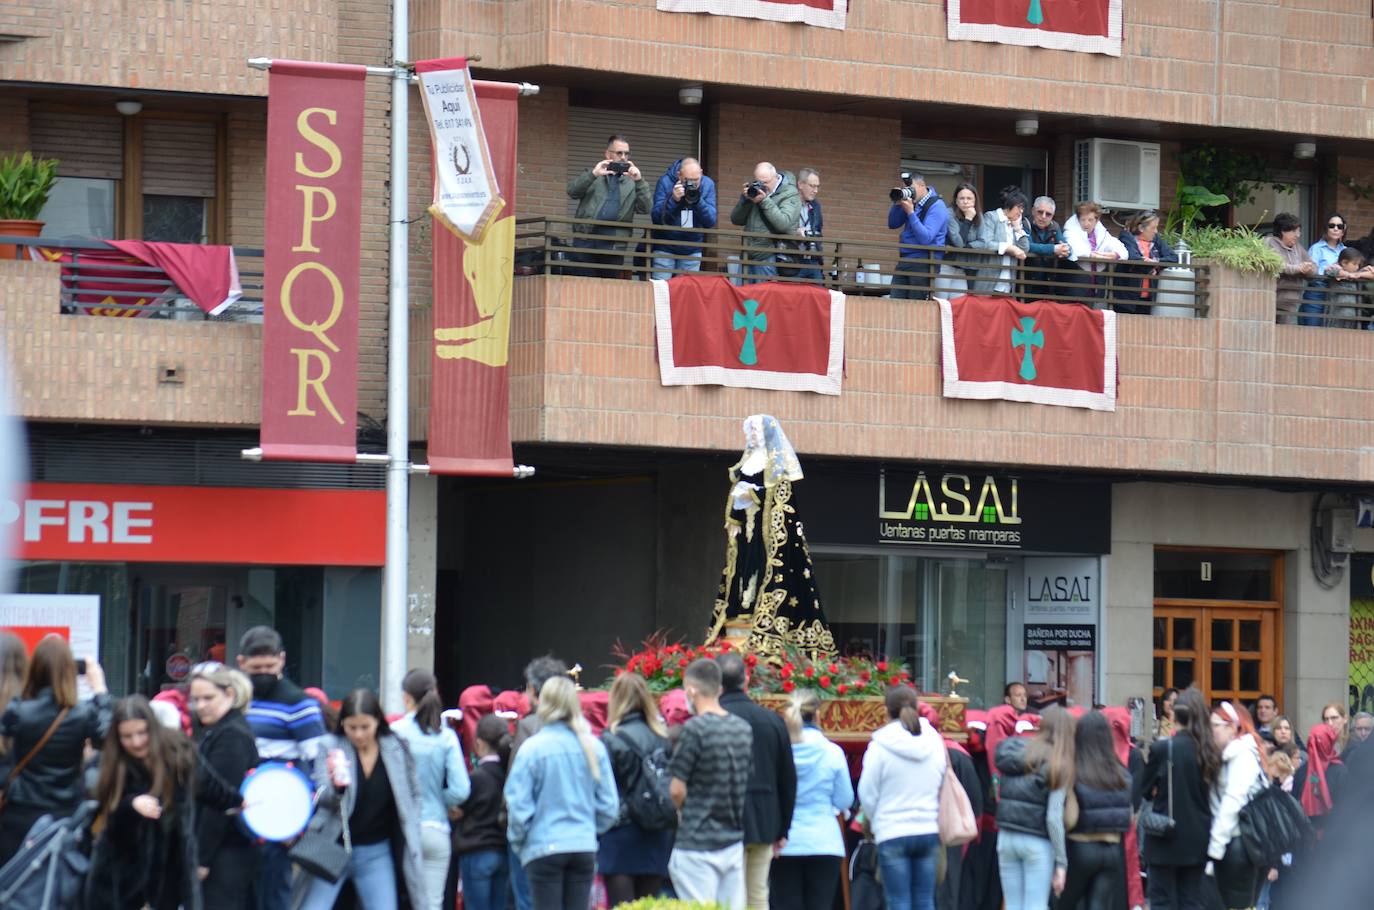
81,667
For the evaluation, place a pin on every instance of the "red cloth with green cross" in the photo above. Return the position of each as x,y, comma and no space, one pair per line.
760,336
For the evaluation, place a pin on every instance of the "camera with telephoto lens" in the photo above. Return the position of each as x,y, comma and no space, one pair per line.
618,167
899,193
691,191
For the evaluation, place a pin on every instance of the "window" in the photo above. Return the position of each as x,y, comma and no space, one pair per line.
174,219
80,208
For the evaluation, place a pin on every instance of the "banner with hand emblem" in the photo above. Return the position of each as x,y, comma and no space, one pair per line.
467,195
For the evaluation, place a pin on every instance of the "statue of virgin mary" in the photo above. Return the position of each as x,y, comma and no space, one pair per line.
768,597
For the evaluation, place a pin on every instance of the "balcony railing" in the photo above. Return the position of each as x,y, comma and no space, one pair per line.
93,284
858,266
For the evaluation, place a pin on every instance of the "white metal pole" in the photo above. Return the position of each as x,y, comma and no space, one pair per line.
395,609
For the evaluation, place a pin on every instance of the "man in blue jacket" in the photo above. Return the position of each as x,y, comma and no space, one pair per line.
684,198
924,220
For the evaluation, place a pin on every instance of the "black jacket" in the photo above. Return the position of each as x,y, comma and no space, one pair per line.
625,762
137,861
1023,795
228,751
772,790
53,778
1187,846
483,825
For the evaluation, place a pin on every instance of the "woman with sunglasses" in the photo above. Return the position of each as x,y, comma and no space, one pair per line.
228,861
1324,253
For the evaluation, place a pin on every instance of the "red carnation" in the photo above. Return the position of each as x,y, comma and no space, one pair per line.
882,666
810,673
841,688
865,676
785,673
833,668
825,682
788,685
751,660
682,663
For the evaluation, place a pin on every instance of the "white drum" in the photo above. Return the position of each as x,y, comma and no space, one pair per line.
278,800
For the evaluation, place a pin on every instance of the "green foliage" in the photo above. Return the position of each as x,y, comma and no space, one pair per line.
25,182
1229,172
1240,248
1189,202
665,903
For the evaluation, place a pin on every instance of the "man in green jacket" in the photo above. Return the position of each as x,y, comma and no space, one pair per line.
613,190
769,205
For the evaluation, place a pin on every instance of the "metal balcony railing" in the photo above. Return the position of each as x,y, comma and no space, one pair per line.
861,266
97,281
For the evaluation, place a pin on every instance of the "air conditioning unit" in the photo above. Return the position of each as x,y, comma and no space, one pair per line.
1117,173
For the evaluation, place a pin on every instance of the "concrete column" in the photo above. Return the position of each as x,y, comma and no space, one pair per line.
423,563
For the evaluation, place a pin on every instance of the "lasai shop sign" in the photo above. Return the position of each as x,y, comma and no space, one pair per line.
957,509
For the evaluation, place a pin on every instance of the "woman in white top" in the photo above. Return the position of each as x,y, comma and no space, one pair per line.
1088,240
899,791
1003,231
1242,774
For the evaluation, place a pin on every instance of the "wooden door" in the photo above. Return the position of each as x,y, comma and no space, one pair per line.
1228,652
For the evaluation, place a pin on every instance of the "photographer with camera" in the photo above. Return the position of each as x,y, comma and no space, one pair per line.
684,198
613,190
921,215
809,227
768,205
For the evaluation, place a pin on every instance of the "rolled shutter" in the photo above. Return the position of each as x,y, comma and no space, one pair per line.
656,141
972,153
179,158
85,145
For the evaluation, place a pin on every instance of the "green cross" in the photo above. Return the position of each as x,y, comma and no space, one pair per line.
1028,337
1034,15
750,320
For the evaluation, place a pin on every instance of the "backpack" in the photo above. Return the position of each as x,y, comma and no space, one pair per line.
647,802
1272,823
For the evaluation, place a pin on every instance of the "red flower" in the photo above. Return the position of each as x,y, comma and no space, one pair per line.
751,660
620,671
724,645
673,649
788,685
682,663
785,673
789,666
865,676
841,688
833,669
825,682
810,673
882,666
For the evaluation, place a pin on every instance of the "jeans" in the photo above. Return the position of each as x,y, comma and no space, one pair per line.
1176,887
373,874
562,881
485,879
804,882
1026,862
709,875
757,270
436,849
911,280
1313,303
665,265
1094,876
274,877
519,882
908,867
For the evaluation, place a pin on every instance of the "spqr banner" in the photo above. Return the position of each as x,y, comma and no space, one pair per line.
311,271
469,413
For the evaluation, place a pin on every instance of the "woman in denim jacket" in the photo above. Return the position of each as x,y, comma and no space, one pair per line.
560,795
440,772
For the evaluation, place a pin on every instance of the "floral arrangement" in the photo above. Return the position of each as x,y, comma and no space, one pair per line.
662,663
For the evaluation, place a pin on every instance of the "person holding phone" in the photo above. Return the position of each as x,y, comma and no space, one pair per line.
48,727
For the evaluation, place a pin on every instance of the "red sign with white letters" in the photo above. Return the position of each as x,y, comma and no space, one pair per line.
115,523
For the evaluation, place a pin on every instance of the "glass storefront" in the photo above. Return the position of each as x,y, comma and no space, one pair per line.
159,620
938,614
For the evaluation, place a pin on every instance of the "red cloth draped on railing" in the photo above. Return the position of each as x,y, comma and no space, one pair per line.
107,282
206,274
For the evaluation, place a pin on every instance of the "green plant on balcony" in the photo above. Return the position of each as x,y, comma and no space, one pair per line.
25,183
1240,248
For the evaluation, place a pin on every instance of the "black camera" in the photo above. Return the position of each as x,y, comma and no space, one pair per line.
757,189
618,167
691,191
81,666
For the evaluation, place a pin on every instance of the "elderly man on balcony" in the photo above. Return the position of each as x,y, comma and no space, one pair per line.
612,190
684,198
768,205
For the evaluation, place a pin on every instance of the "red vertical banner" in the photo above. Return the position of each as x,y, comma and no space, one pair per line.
310,270
469,413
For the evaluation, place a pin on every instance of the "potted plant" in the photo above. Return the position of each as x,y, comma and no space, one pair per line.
25,182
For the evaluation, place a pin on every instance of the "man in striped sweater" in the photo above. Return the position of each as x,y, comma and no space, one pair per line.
288,726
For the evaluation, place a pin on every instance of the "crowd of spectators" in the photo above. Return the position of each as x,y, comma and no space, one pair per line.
943,247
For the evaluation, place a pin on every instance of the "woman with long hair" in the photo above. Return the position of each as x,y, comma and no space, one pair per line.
965,221
1166,726
1284,734
47,725
1102,789
899,790
14,666
632,858
1242,768
560,795
806,874
481,837
147,853
1337,716
1179,776
228,859
440,772
1034,778
367,784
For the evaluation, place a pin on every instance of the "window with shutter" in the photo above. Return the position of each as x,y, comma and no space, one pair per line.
90,154
656,141
178,179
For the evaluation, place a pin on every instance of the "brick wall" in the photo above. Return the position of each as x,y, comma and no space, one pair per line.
1230,395
1358,207
247,140
28,18
542,153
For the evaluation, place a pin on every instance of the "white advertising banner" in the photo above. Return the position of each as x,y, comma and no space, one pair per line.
75,617
466,196
1062,599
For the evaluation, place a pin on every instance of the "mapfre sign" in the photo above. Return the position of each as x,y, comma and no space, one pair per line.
107,522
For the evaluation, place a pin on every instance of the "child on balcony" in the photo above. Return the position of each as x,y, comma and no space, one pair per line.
1350,294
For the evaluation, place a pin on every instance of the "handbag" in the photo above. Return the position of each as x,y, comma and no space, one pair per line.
1155,823
323,856
33,753
956,821
1272,824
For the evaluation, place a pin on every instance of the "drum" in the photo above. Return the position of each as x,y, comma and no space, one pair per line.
278,800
